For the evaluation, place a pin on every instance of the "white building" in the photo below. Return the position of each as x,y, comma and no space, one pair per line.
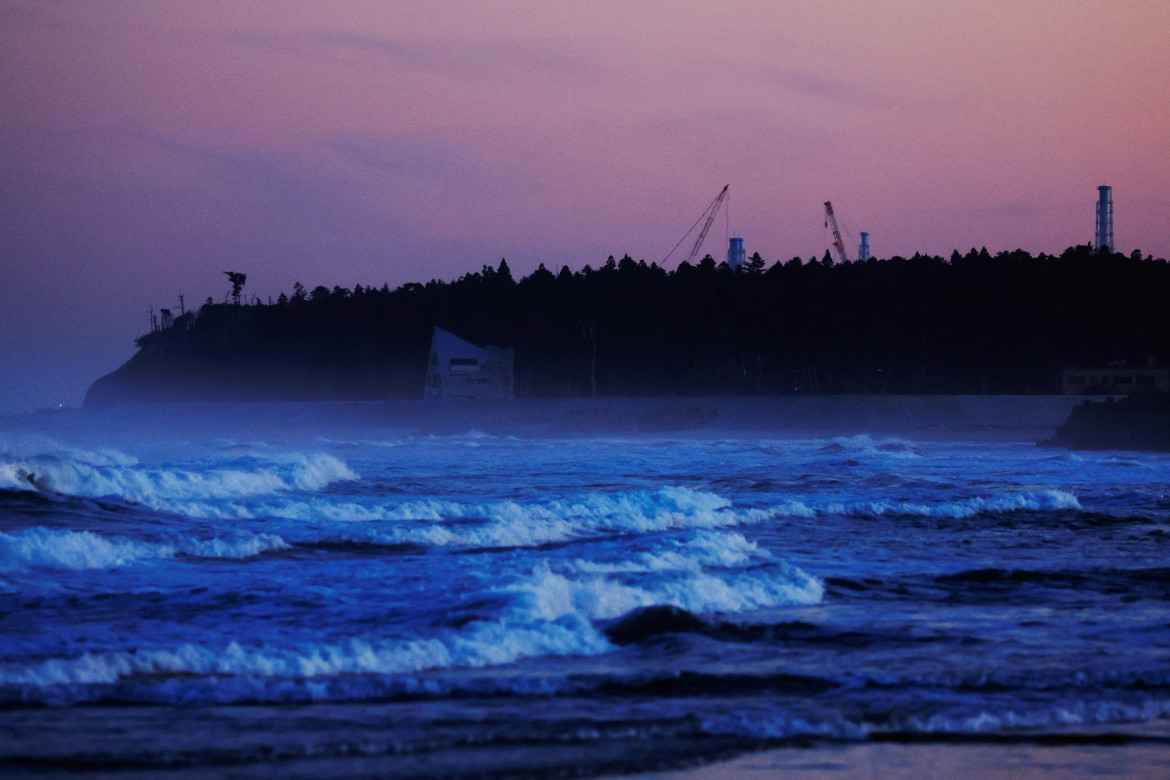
459,369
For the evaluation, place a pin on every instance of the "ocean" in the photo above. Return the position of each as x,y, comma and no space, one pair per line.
378,591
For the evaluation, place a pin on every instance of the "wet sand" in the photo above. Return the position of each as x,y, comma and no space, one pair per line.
940,760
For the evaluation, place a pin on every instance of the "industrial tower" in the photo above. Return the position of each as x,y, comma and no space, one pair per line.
735,253
863,250
1104,219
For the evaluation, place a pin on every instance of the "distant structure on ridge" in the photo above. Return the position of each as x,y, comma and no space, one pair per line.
735,254
459,369
863,250
1104,218
831,222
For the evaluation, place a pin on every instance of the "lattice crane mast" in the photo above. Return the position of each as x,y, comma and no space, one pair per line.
714,209
831,220
709,212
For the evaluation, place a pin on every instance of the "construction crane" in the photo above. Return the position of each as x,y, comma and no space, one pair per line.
714,209
710,212
831,220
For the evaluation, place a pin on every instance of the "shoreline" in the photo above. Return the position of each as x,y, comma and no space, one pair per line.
1091,752
918,760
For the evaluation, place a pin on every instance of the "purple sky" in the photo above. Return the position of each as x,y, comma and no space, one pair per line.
146,147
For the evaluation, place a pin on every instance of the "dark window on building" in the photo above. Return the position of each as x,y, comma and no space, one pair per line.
1076,379
1146,379
1123,380
464,362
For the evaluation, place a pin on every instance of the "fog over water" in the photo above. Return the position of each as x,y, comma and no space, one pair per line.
574,586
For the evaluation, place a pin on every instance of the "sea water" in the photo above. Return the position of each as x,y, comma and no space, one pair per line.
373,601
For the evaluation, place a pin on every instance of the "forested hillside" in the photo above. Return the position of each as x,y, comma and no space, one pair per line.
973,323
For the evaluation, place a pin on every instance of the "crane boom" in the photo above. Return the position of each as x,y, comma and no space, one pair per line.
709,212
714,209
831,220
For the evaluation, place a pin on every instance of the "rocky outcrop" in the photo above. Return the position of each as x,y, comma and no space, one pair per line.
1139,422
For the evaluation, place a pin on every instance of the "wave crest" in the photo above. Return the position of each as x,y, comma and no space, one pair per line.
47,548
102,473
1042,500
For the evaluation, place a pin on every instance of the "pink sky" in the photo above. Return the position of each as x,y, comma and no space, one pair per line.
147,146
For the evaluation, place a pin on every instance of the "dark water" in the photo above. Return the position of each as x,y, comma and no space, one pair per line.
322,605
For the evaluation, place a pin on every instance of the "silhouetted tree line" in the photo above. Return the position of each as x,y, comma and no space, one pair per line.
973,323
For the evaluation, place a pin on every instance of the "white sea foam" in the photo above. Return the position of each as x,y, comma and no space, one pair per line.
864,444
726,549
43,548
1043,500
505,523
768,724
48,548
552,616
549,613
550,596
98,473
479,644
245,546
1074,713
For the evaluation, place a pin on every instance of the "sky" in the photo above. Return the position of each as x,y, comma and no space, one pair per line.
148,146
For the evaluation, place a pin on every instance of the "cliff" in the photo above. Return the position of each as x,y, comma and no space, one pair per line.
263,371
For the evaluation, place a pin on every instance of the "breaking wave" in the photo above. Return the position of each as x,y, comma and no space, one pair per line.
724,549
507,523
545,612
551,596
1042,500
103,473
864,444
307,668
482,644
46,548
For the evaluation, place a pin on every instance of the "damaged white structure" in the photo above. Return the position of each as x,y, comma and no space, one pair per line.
459,369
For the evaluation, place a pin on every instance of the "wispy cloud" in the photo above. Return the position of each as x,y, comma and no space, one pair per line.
474,59
813,84
419,156
468,59
819,86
